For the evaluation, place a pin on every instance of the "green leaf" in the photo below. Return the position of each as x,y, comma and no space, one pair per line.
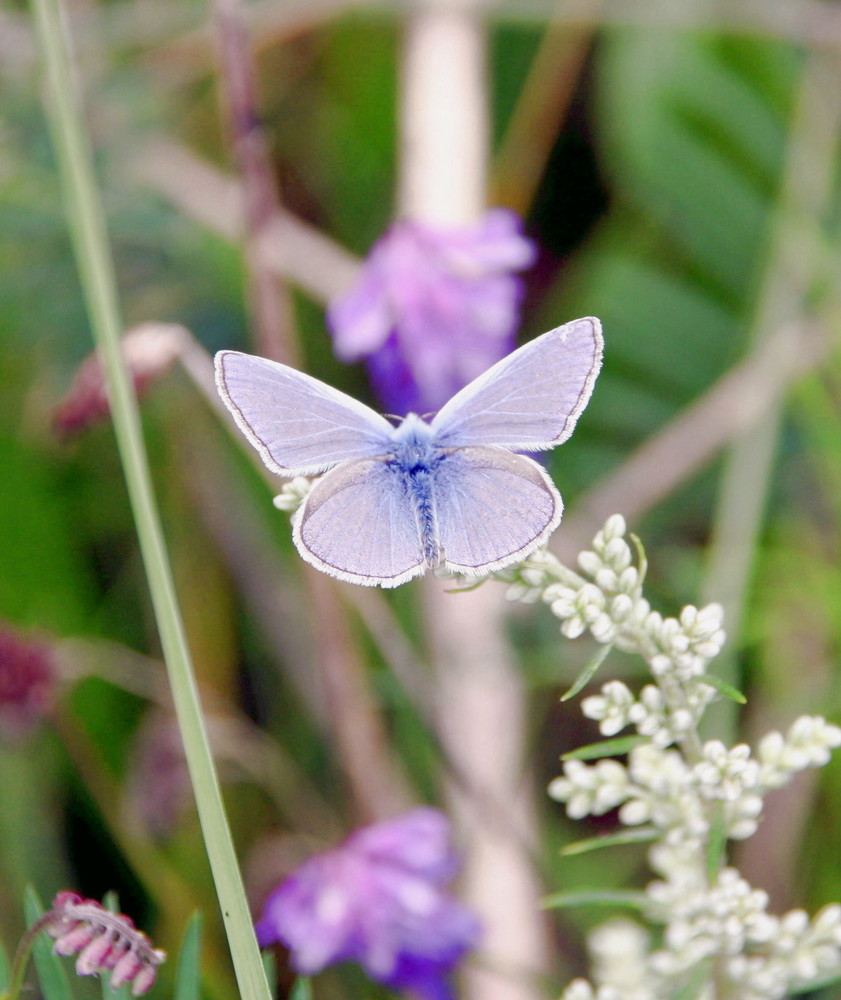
4,967
587,673
607,748
734,694
691,130
717,842
302,990
559,900
270,968
51,974
829,979
642,834
698,979
187,979
696,135
642,558
475,585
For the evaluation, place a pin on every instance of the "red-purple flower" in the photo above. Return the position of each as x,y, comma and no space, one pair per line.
27,682
434,308
378,899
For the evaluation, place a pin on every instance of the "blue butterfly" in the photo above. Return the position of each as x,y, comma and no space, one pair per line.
396,501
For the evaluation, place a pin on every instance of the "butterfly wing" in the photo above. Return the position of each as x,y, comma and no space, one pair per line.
358,523
531,399
299,425
493,508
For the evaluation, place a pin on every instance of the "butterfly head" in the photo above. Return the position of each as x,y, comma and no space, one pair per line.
413,441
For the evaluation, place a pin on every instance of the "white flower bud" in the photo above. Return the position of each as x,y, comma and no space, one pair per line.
606,579
629,580
578,989
621,607
614,527
589,562
573,627
617,554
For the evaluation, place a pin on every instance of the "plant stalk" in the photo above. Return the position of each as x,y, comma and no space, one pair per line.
88,231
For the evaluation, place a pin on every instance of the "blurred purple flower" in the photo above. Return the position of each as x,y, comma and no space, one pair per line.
27,682
378,900
434,308
158,789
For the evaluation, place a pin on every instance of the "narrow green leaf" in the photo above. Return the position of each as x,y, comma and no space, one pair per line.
51,975
734,694
606,748
270,968
587,673
635,900
642,558
642,834
698,979
829,979
717,842
86,219
187,979
467,587
302,990
4,967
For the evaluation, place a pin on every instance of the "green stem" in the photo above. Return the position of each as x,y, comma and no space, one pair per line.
21,959
86,220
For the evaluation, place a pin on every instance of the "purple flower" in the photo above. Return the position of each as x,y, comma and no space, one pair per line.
434,308
378,900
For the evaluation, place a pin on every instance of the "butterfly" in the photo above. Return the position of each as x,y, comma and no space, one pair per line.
395,501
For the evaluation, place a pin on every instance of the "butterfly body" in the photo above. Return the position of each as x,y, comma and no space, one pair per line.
395,501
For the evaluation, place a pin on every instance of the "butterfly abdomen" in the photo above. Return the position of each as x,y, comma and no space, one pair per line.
415,460
420,481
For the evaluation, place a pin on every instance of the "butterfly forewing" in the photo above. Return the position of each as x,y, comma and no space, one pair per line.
298,424
493,508
531,399
358,523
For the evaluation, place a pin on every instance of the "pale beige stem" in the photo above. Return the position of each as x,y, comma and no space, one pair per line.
269,304
290,248
480,703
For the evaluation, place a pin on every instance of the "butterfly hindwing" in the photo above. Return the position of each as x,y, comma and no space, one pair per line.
359,523
299,425
493,508
531,399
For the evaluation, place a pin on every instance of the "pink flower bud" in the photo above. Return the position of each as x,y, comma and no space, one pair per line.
104,941
149,349
92,958
74,940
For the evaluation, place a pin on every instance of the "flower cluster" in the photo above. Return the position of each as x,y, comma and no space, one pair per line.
292,494
607,601
689,796
104,942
